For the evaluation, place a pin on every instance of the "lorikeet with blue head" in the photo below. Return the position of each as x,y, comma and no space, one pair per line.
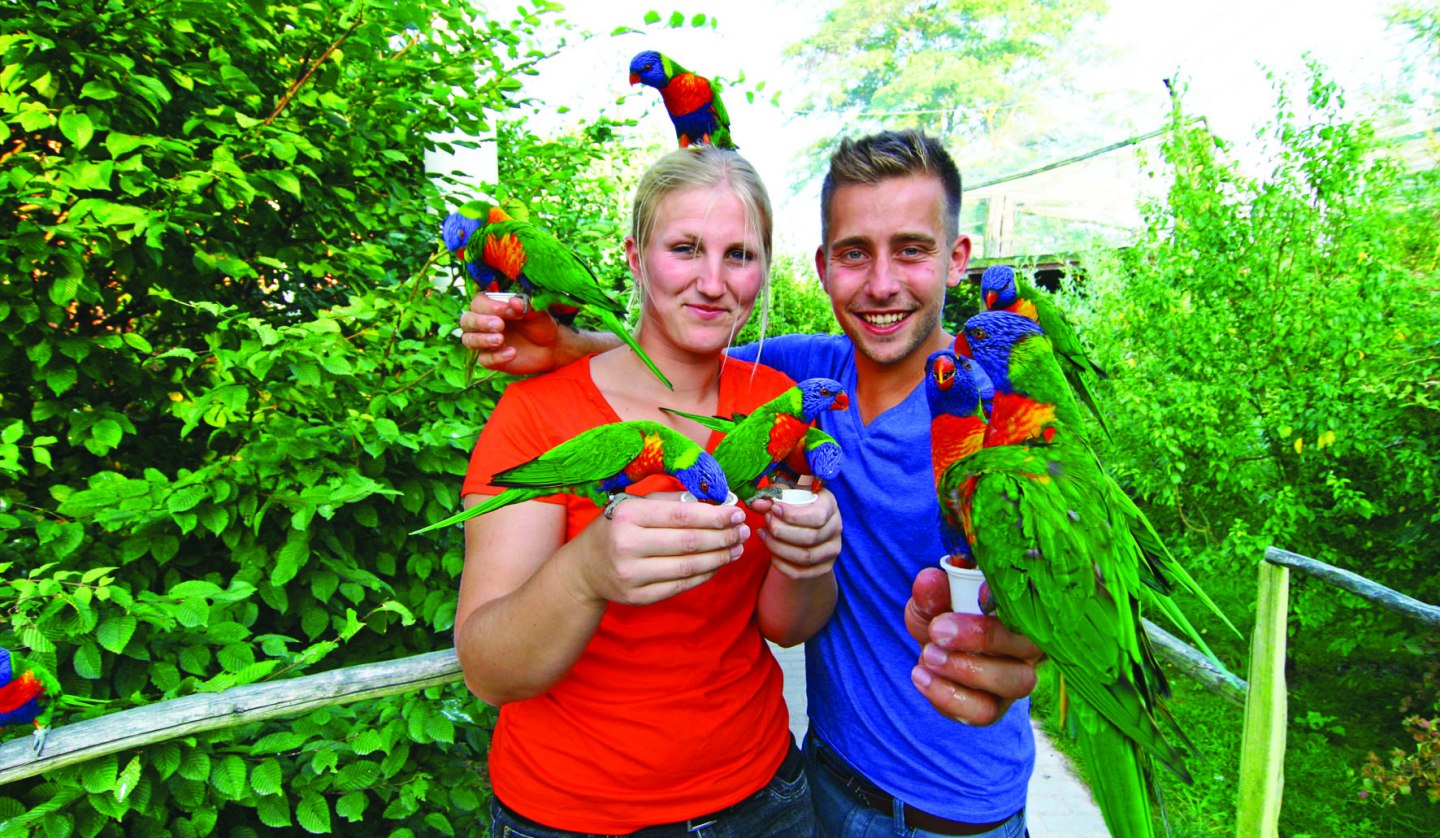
756,444
819,455
1071,564
30,693
692,101
600,464
1003,289
455,232
957,430
547,273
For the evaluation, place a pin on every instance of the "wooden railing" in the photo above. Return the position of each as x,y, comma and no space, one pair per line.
1262,755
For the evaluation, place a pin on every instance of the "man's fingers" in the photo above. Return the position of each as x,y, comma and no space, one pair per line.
973,707
981,635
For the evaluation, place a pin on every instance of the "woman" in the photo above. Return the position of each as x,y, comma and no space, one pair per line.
627,655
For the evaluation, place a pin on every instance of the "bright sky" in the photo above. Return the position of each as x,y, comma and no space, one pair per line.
1218,46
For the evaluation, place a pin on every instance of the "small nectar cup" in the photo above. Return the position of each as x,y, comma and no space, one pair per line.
730,499
796,497
964,587
502,297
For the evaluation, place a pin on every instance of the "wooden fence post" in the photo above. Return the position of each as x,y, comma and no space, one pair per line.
1262,753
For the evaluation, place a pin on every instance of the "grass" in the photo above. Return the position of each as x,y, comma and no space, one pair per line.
1340,708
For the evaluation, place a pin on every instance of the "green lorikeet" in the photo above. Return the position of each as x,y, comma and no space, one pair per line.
755,444
1002,289
600,463
31,693
545,272
692,101
1057,541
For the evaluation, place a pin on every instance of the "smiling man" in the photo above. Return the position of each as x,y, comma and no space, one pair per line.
880,759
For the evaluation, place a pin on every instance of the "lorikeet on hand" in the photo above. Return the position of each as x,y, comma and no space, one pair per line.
455,232
755,444
1069,564
31,693
818,455
600,463
957,430
1002,289
545,272
692,101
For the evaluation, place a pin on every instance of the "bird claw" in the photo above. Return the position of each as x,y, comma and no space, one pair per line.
39,736
614,502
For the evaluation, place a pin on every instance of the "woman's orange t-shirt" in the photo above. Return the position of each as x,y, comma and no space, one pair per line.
675,709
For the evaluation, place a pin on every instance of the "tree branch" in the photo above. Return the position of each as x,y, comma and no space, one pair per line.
304,77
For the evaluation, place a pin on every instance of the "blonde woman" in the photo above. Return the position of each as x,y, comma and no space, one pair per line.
627,655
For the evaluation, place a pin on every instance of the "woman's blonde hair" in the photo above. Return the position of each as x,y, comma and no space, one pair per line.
704,166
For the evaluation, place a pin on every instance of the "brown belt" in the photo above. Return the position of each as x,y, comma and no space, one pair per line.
873,797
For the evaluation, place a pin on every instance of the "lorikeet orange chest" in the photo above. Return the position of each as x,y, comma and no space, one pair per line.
785,436
20,698
651,460
1018,418
686,93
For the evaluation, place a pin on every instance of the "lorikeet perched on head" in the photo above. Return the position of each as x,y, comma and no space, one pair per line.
544,271
692,101
1071,563
957,430
31,693
601,463
1002,289
756,444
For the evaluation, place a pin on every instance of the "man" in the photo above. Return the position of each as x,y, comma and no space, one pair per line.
878,755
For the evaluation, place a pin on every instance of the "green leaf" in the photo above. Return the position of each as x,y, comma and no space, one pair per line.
358,775
439,823
289,559
312,813
100,774
228,777
100,91
677,20
115,632
285,180
366,742
195,765
266,777
652,16
87,661
76,127
137,342
351,807
128,779
105,435
273,811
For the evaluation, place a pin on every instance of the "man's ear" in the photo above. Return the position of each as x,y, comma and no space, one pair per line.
959,260
821,264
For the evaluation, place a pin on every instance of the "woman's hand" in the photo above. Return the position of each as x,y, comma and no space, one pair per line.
651,550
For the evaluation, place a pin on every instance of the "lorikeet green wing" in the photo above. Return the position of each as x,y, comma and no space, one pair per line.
601,463
756,443
1002,289
1034,403
692,101
30,693
548,273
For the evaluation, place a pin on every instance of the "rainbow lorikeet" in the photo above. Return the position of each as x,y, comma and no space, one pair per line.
818,455
692,101
957,430
546,272
1057,541
1002,289
455,232
756,444
600,463
31,693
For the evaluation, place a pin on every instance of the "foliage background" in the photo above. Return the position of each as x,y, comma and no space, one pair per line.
230,396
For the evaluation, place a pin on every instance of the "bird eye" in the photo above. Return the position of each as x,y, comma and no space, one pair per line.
977,333
705,486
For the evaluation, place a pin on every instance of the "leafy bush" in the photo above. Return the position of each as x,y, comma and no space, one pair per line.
229,395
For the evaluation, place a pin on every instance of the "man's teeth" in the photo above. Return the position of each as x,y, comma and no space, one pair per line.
883,320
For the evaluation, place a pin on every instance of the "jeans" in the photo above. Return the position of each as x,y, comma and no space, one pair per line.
839,813
781,809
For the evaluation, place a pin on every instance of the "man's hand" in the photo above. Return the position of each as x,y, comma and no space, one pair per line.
508,338
971,668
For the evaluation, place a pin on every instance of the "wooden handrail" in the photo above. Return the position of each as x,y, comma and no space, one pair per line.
1358,585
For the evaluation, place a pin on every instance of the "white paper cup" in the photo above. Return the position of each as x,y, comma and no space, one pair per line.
730,499
503,297
796,497
964,587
